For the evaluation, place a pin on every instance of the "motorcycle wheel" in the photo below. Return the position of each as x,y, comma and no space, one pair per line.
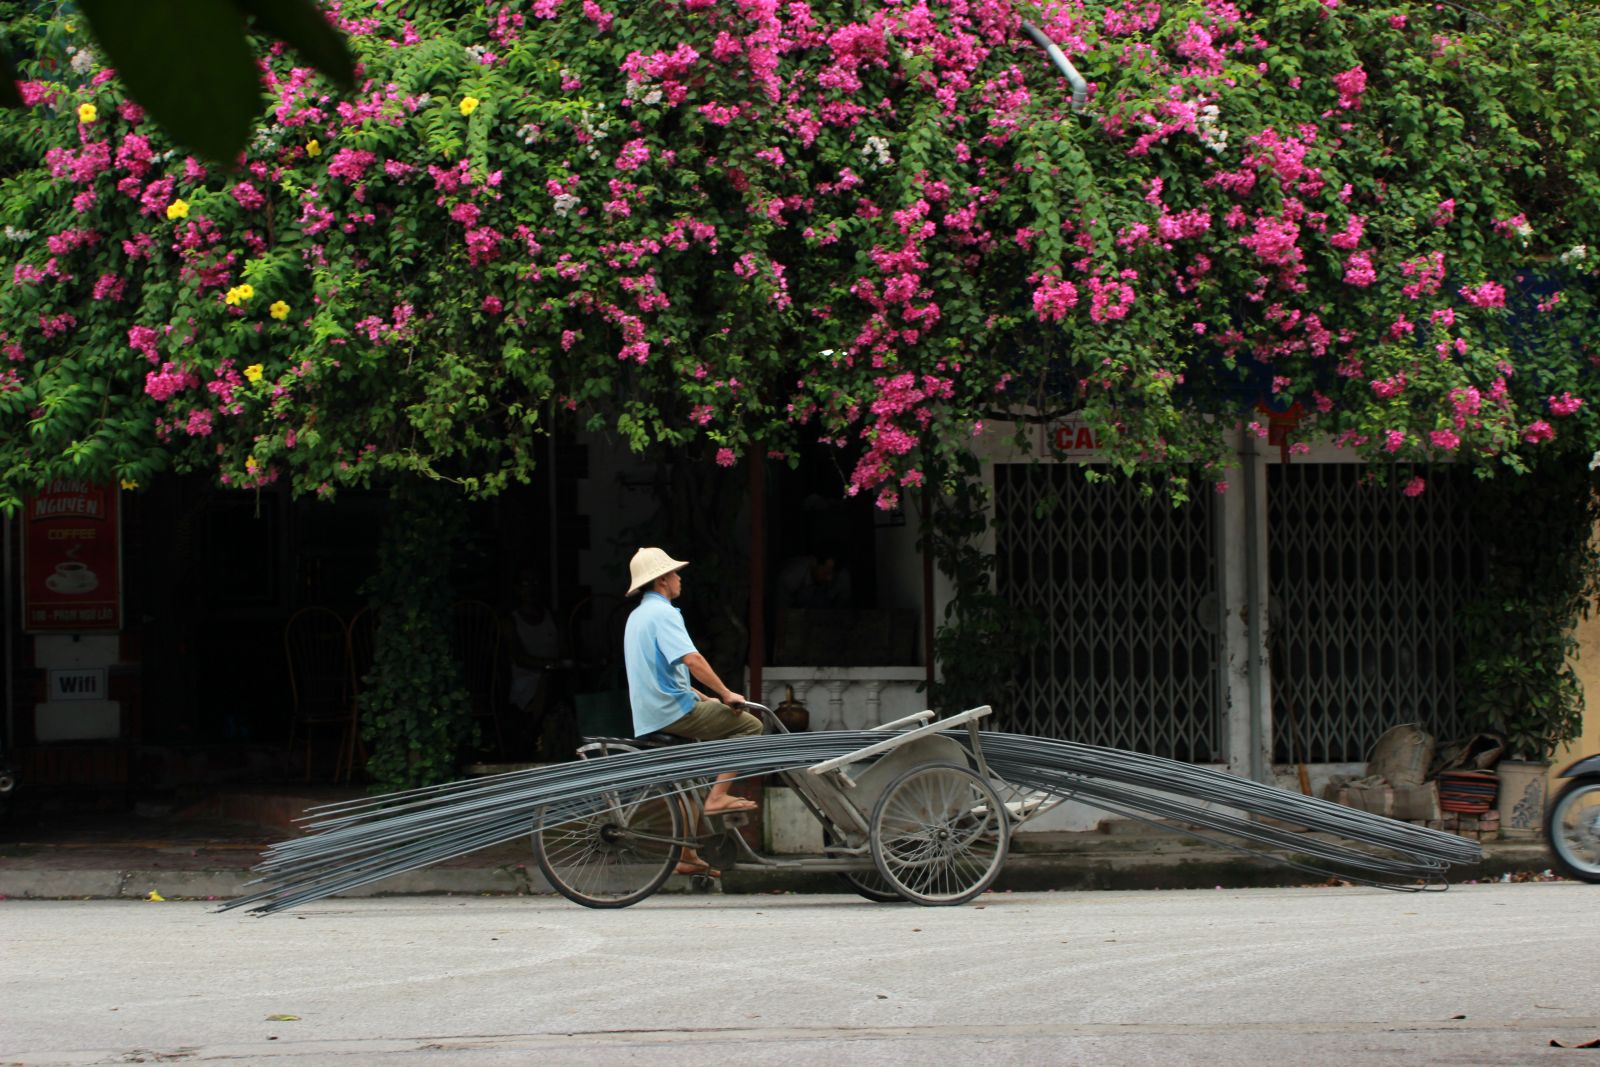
1572,826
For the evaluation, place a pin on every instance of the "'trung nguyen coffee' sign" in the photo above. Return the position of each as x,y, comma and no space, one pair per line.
72,559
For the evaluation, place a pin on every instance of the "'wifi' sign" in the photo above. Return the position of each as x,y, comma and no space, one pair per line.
78,683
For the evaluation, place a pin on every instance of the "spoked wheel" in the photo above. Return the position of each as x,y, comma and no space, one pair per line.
867,883
1573,829
616,856
939,834
870,884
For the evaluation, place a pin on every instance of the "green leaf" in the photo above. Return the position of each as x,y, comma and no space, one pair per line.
188,63
303,26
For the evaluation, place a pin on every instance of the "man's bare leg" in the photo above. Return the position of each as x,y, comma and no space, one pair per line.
719,801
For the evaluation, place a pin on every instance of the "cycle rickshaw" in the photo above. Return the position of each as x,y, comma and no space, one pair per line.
917,816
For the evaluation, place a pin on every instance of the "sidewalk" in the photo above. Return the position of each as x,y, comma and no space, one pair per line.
206,852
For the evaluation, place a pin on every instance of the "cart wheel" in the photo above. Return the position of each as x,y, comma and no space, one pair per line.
615,856
939,834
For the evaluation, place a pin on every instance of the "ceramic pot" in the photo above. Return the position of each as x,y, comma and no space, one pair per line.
1522,797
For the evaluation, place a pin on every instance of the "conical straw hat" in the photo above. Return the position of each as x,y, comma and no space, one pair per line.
648,564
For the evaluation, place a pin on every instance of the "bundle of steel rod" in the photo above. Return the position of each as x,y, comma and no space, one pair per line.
356,843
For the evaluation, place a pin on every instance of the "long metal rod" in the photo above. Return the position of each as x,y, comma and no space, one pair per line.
357,843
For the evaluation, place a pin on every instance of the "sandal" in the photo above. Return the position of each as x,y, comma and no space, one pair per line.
735,804
701,868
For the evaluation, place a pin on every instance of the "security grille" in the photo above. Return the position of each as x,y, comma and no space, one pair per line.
1125,586
1366,584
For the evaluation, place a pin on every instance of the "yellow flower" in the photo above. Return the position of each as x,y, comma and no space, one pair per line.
87,113
469,104
129,483
253,372
313,148
178,209
278,310
246,291
250,463
239,294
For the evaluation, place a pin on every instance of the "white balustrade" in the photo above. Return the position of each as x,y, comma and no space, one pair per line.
848,698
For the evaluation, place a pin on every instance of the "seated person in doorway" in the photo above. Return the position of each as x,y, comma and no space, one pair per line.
535,648
661,660
818,581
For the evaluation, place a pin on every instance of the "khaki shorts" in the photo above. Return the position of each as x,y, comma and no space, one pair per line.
712,720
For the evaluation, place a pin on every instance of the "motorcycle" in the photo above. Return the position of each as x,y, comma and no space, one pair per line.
1572,822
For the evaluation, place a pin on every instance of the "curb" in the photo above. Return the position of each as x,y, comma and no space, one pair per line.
1024,872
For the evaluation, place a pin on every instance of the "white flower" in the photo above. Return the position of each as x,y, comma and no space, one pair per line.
653,96
1575,254
1207,127
877,148
564,203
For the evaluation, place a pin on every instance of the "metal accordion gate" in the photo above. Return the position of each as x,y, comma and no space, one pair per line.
1126,588
1366,584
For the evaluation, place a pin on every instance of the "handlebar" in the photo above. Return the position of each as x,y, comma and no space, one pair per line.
766,715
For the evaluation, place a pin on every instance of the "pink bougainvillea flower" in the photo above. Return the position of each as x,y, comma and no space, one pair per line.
1564,405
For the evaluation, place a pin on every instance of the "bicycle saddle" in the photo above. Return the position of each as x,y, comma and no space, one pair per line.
660,739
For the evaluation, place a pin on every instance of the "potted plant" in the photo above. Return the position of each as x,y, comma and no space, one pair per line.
1539,576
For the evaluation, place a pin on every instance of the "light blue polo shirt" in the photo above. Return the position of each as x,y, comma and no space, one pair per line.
653,646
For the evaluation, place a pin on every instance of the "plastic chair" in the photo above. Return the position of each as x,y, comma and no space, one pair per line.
317,648
480,647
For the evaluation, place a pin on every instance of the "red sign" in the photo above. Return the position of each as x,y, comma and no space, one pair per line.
72,559
1073,439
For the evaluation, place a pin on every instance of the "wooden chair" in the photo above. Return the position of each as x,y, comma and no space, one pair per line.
480,649
316,645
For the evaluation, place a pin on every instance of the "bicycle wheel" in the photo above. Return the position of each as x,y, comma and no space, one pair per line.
614,856
939,834
1572,827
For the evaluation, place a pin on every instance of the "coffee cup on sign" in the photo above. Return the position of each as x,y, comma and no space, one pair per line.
73,575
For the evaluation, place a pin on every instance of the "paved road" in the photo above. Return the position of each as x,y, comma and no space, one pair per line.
1480,974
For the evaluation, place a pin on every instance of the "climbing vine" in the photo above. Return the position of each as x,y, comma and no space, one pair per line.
1542,573
415,715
